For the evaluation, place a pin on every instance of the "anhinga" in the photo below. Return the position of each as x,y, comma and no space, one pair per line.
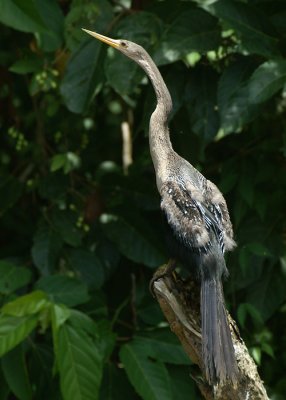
198,218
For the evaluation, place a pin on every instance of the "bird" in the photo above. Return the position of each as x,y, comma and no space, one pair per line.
198,219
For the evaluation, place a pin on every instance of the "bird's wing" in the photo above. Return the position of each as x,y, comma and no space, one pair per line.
190,219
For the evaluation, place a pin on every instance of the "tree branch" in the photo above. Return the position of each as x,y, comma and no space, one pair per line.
179,301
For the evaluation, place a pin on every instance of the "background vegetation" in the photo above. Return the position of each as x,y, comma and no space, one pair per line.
80,238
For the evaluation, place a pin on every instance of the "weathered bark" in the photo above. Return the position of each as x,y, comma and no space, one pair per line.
179,301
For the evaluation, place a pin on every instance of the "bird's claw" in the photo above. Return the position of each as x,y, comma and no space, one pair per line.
162,272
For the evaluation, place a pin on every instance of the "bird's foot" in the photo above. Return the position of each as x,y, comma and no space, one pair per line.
164,271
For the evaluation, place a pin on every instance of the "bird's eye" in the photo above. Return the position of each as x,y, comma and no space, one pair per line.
123,44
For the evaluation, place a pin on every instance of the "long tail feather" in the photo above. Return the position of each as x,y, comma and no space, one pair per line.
218,352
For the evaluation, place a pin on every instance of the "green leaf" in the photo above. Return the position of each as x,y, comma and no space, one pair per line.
266,80
16,374
192,30
58,162
245,309
246,188
82,77
149,377
122,74
101,331
268,293
14,330
259,249
81,321
64,223
27,65
163,345
253,28
67,162
108,255
88,266
28,304
228,180
52,15
132,240
149,312
80,365
106,339
266,348
12,277
256,354
235,108
21,15
62,289
46,249
59,315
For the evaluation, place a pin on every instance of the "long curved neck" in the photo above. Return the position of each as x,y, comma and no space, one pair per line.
159,138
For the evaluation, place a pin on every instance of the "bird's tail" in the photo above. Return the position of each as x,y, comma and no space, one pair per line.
217,347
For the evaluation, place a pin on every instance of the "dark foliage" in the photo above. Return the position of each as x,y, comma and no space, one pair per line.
81,237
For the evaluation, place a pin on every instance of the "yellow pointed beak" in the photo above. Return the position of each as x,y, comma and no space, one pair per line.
105,39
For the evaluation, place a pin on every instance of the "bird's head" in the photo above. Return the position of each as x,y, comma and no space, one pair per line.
130,49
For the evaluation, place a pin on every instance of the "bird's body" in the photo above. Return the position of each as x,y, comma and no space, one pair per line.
198,218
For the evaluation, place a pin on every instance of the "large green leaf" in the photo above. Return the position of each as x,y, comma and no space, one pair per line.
64,223
16,374
164,346
80,365
12,277
83,76
14,330
149,377
268,293
88,266
132,240
21,15
62,289
192,30
254,28
101,331
52,15
28,304
235,108
266,80
46,249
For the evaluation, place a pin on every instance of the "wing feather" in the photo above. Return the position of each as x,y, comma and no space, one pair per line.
190,219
